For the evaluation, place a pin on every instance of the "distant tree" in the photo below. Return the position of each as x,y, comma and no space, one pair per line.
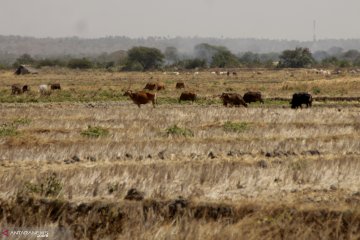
298,58
320,55
330,62
249,59
357,62
224,58
351,55
216,56
49,63
80,63
335,51
205,52
143,58
24,59
194,63
171,55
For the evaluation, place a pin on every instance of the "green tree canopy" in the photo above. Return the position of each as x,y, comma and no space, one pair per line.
298,58
143,58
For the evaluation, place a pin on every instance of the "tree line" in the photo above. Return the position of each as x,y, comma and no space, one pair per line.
204,56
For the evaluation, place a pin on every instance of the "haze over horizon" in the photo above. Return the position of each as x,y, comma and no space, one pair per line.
278,19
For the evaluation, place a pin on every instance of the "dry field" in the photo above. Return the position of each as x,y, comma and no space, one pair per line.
68,160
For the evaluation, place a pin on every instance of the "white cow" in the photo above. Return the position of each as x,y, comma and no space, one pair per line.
44,89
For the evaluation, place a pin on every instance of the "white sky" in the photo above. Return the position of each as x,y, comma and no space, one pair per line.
274,19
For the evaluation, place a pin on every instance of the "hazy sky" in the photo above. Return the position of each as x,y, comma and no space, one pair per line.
274,19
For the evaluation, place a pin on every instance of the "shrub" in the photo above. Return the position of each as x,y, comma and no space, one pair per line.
80,63
235,126
51,186
316,90
178,131
194,63
95,132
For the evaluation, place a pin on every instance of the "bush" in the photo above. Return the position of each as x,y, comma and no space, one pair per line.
51,186
49,63
194,63
133,66
316,90
80,63
178,131
235,126
95,132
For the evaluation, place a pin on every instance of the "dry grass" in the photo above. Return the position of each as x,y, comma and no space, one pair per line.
265,172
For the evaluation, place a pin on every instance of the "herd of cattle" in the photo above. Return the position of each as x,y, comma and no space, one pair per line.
144,97
44,89
228,99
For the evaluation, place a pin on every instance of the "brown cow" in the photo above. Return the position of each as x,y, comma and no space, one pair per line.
160,86
250,97
55,86
232,99
16,89
187,96
141,97
154,86
180,85
19,89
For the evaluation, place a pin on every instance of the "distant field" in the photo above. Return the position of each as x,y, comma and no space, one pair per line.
267,171
96,85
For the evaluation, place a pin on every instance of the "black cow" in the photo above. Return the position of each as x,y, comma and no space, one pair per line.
187,96
233,99
55,86
250,97
301,98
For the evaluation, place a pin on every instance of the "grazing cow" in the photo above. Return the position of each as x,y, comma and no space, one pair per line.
232,99
180,85
187,96
154,86
141,97
228,73
250,97
234,74
16,89
44,90
25,88
55,86
160,86
301,98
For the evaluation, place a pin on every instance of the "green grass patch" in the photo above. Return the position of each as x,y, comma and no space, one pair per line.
11,129
178,131
8,130
316,90
236,127
95,132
